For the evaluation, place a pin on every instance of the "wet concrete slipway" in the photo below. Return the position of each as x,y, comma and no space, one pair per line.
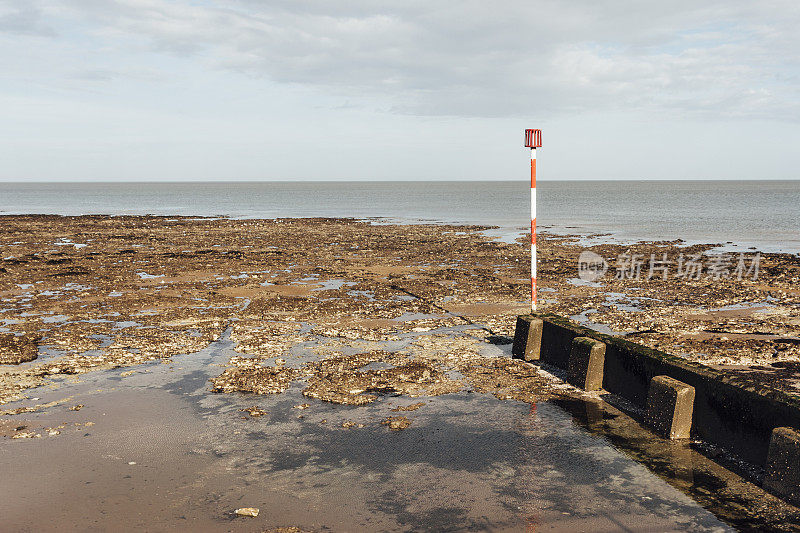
155,449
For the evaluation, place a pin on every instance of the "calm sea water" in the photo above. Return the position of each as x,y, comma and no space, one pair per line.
763,214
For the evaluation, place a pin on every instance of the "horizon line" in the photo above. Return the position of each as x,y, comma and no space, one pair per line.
367,180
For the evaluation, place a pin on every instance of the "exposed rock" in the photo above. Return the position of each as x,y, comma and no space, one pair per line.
259,380
254,411
396,423
412,407
145,288
16,349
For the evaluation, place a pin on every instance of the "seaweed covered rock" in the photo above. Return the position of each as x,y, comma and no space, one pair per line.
256,379
18,349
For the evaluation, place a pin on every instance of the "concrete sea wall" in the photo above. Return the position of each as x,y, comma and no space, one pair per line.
728,412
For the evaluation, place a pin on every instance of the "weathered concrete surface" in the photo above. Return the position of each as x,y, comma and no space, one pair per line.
527,338
728,412
586,360
782,473
670,404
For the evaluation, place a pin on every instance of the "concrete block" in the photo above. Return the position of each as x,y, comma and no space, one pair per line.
782,472
586,360
527,338
670,404
594,413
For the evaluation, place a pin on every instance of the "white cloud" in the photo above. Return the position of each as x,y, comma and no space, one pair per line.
22,18
192,89
545,58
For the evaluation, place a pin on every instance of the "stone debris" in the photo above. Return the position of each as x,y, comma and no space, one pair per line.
19,410
362,378
77,407
342,379
53,431
247,511
396,423
254,411
255,379
21,434
507,379
412,407
35,408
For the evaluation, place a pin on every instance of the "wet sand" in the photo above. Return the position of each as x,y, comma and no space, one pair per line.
317,336
157,450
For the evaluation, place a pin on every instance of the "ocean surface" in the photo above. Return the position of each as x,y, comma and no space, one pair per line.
740,214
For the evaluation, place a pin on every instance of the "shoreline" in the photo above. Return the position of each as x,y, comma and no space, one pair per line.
507,233
761,214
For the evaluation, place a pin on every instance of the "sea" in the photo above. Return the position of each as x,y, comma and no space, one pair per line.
762,214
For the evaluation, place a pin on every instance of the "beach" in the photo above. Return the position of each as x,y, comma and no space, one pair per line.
349,326
305,267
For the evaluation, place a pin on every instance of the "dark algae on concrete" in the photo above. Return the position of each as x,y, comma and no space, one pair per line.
729,410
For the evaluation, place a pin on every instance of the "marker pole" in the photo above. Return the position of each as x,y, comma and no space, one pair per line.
533,230
533,140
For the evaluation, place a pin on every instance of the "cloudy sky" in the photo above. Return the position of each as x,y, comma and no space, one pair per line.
409,89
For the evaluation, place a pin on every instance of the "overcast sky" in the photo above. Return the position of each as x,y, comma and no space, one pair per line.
371,89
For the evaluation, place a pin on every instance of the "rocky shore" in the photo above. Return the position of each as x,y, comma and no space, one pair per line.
95,292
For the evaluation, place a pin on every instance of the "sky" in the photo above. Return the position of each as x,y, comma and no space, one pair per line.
129,90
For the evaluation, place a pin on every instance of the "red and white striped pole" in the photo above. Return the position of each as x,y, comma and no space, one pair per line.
533,140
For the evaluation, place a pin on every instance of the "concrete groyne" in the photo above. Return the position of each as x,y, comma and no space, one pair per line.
728,412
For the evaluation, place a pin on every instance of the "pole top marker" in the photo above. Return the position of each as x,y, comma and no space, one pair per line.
533,138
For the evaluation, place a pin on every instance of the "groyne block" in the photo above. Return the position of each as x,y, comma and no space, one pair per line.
782,472
670,406
527,338
586,360
733,413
